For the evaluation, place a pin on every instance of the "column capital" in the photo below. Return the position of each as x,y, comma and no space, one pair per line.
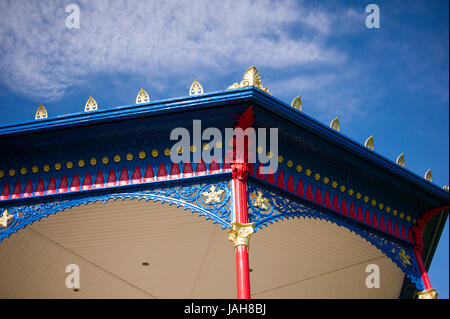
240,234
427,294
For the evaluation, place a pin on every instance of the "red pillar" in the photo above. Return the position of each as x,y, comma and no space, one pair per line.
240,218
423,271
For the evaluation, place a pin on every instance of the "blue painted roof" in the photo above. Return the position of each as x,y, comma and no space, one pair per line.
418,185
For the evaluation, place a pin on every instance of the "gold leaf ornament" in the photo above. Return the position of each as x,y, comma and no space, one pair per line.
196,88
251,78
297,103
369,143
91,105
41,113
335,124
142,97
428,176
401,160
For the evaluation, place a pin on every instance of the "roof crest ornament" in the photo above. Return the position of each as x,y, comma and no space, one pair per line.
196,88
428,175
335,124
41,113
251,78
142,97
297,103
401,160
91,105
369,143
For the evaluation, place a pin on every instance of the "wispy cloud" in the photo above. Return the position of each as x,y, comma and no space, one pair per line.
41,58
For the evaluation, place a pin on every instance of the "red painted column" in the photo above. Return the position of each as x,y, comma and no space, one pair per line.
240,216
423,272
429,292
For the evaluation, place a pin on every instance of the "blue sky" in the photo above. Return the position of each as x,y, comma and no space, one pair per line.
390,82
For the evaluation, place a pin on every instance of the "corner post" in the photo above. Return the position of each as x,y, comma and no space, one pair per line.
429,292
241,229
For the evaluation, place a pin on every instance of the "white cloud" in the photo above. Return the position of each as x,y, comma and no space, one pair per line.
41,58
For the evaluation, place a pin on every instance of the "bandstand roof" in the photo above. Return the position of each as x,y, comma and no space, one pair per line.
353,171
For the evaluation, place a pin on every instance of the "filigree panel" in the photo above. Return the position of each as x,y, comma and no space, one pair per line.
267,206
192,197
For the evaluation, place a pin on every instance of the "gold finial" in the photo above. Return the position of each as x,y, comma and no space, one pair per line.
91,105
446,188
428,176
41,113
240,234
196,88
5,218
297,103
251,78
142,97
427,294
335,124
369,143
401,160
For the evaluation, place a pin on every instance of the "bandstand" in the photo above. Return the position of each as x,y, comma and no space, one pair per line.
99,189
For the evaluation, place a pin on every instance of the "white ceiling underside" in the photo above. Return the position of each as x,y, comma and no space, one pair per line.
188,257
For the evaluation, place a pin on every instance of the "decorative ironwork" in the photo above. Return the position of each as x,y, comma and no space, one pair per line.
369,143
190,197
91,105
281,207
401,160
196,88
142,97
251,78
240,234
335,124
41,113
297,103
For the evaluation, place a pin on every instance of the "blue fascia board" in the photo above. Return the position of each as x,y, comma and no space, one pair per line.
125,112
250,94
